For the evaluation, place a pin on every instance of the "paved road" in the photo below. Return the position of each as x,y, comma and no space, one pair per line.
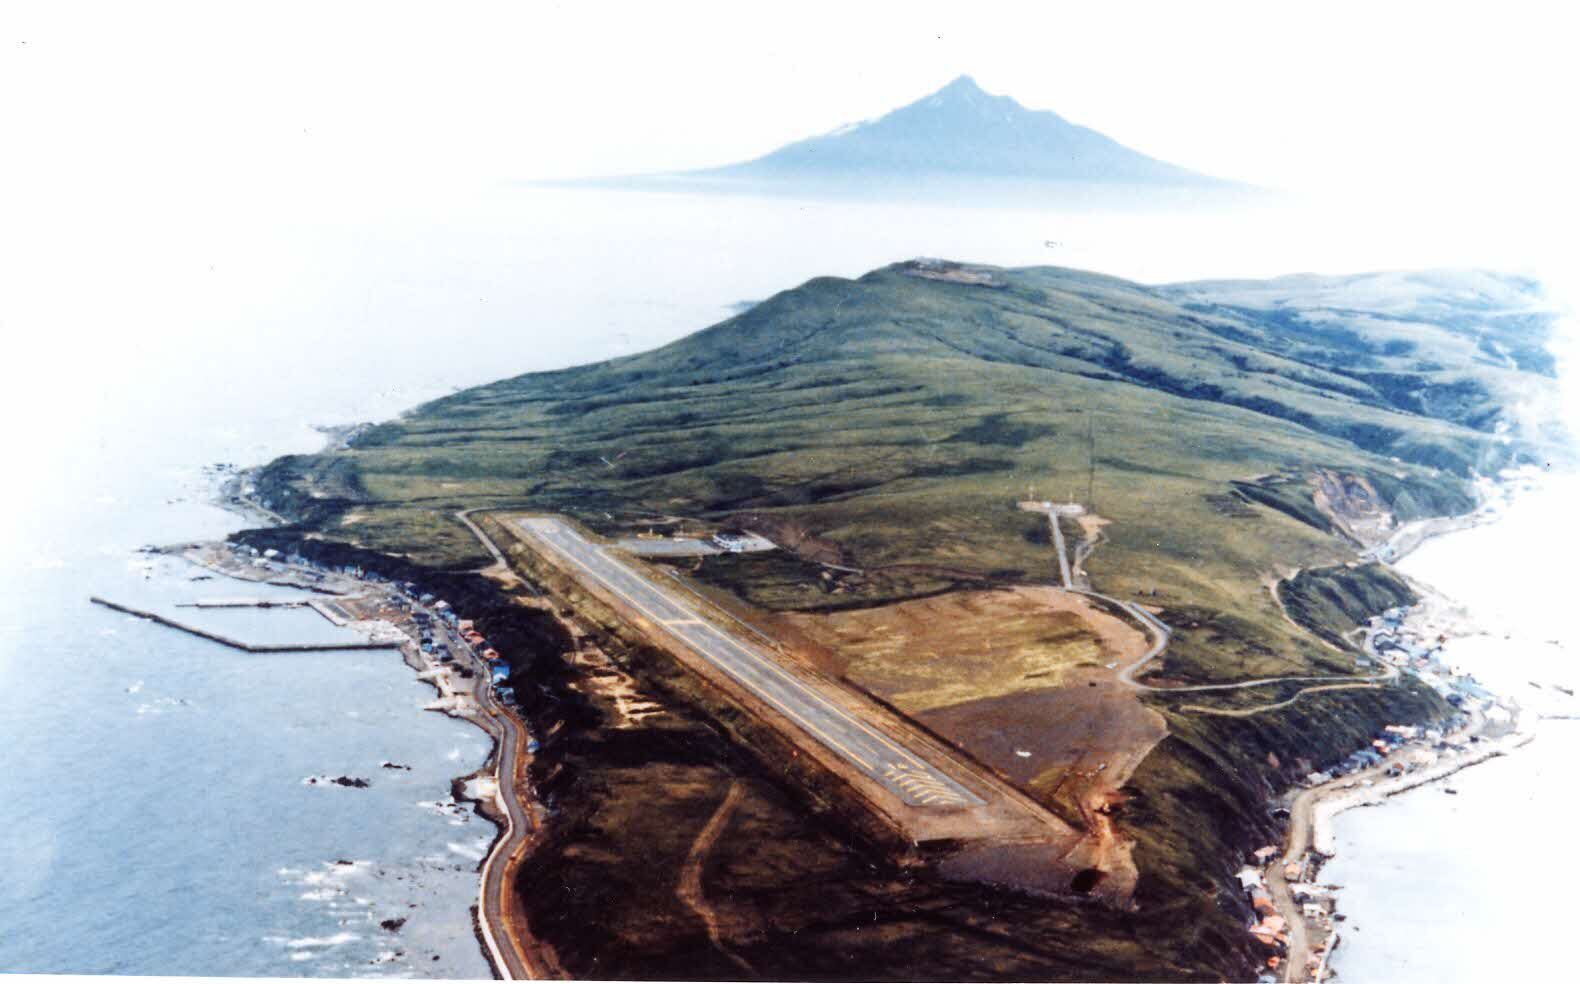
1058,546
1052,511
500,564
1161,634
798,699
511,959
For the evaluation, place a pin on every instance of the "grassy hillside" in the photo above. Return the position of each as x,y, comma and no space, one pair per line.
1235,440
901,416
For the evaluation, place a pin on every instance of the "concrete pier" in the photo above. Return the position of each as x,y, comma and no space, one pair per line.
240,603
288,647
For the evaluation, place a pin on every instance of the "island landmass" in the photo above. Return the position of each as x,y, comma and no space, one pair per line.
1107,564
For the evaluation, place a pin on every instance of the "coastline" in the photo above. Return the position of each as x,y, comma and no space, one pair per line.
236,493
1493,727
1325,801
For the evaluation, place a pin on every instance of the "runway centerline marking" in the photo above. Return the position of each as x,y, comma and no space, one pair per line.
757,672
790,712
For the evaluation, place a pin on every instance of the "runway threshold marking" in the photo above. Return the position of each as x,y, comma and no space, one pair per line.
922,784
958,796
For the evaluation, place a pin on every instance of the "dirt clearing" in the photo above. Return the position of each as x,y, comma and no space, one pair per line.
1023,680
967,645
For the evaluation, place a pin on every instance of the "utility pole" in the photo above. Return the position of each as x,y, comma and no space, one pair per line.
1091,461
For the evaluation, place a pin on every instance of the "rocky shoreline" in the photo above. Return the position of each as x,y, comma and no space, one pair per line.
241,491
236,491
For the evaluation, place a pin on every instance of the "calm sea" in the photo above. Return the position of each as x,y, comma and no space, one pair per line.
1474,885
156,819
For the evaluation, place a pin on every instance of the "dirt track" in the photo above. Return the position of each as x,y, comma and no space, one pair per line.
1005,835
689,887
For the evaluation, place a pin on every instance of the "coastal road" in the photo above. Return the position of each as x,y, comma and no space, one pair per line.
1300,840
800,699
511,951
1297,950
514,954
512,958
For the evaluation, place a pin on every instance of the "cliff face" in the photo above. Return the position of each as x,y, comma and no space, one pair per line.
1218,441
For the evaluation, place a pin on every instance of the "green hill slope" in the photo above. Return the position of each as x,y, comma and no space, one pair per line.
901,415
1229,435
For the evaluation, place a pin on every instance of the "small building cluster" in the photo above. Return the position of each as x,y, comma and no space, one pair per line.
404,610
739,541
1394,750
270,557
1268,927
1389,641
409,597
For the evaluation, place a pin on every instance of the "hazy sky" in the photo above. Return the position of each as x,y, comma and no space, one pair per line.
210,184
137,136
1333,95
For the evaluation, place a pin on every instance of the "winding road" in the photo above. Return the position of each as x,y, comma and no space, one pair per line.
514,954
1160,634
514,957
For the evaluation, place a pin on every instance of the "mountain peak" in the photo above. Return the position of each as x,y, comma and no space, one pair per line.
964,92
957,133
961,85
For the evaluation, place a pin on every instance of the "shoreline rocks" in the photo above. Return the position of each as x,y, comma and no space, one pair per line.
350,782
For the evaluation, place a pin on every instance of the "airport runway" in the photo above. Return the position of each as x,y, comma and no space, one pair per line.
799,699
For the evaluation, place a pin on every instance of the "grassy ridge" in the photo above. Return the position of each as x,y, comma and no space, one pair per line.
933,383
900,418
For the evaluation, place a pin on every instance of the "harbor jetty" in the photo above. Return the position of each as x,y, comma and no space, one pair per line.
286,647
240,603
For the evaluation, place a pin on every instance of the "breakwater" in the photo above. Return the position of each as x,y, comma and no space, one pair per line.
240,603
1323,839
285,647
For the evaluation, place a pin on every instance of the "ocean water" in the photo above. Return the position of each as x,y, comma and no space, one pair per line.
156,816
1473,886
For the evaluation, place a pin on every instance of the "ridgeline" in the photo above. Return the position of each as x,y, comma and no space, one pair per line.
1226,437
